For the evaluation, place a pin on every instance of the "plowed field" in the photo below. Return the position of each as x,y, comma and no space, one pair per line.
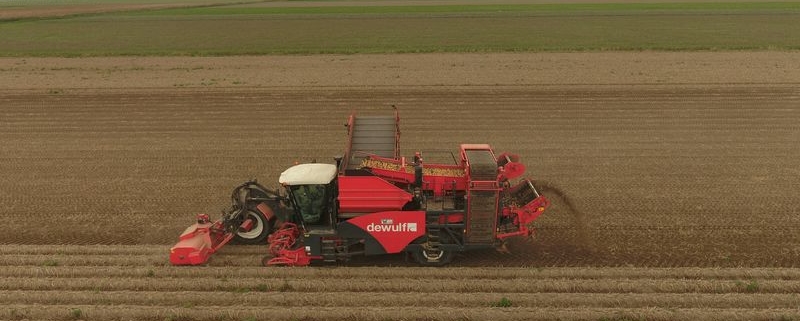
685,184
134,283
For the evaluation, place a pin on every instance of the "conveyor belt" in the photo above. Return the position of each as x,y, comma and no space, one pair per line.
372,135
482,165
482,197
482,217
427,171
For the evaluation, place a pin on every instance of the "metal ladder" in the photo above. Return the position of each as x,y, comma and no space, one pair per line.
328,250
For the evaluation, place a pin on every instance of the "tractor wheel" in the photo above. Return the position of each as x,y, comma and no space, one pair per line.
256,235
433,258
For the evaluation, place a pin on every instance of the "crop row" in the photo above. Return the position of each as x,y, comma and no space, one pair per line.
138,289
286,298
486,312
132,267
658,246
418,285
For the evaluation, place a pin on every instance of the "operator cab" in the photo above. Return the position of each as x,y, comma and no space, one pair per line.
311,189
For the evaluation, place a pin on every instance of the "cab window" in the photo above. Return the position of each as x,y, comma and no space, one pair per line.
310,200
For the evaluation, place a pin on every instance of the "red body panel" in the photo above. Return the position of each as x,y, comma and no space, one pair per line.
511,167
451,218
393,230
363,194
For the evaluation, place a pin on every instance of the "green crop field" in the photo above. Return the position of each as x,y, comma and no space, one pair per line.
535,8
28,3
254,29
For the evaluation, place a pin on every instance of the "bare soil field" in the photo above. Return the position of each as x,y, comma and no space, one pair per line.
133,283
684,168
374,71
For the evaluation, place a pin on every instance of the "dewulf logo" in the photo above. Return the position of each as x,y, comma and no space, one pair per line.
387,225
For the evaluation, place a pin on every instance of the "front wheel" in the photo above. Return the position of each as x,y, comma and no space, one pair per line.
258,233
429,257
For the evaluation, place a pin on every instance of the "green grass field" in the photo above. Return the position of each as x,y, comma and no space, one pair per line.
534,8
253,29
31,3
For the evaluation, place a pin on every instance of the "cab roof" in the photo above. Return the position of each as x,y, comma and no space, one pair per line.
307,174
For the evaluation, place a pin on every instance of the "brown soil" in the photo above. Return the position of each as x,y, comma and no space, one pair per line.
405,71
674,159
653,160
58,282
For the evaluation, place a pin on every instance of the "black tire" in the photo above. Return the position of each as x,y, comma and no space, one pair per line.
433,258
258,234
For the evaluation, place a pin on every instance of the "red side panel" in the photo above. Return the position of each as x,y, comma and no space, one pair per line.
361,194
393,230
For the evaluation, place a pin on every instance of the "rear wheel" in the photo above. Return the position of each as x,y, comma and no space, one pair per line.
258,233
429,257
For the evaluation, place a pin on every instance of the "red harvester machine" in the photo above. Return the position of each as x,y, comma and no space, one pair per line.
375,202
